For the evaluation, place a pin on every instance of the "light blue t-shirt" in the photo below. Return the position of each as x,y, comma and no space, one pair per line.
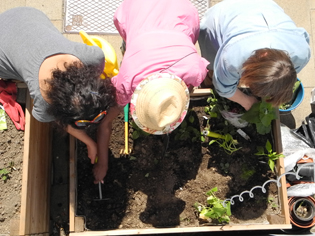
232,30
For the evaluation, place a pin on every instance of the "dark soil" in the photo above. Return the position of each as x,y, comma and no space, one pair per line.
160,181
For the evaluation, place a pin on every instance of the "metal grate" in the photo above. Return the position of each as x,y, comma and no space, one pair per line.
96,16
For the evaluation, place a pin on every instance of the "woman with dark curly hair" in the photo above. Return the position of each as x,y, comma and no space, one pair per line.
63,77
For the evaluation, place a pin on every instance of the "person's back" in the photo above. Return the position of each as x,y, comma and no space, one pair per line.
159,38
27,38
232,30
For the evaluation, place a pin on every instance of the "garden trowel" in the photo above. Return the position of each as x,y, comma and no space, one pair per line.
100,188
100,193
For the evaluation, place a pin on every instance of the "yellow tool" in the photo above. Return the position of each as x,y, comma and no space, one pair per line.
126,114
111,64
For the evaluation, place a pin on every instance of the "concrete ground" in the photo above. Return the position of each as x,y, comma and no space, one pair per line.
302,12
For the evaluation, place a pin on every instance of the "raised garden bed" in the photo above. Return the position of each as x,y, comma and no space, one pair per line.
170,181
153,191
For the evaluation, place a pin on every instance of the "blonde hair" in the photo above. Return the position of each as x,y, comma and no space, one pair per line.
270,74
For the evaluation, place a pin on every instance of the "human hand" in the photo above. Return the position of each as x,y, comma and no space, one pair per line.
99,172
249,102
92,151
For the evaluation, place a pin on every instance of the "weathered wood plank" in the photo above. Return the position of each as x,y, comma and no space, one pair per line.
34,217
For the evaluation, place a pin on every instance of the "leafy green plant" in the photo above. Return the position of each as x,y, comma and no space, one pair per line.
214,210
272,156
261,114
247,172
137,132
218,103
225,141
212,109
186,131
4,174
225,167
272,203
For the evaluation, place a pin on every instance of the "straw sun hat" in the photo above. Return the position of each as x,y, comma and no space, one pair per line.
159,103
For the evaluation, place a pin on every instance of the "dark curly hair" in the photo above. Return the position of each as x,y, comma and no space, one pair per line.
79,93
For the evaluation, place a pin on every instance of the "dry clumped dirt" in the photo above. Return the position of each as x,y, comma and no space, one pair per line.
11,152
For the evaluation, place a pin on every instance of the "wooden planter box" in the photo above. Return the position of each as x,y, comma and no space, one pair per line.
35,199
34,215
77,223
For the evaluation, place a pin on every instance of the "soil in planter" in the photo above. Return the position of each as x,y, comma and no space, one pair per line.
156,188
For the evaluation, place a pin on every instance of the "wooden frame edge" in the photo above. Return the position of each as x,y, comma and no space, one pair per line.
72,183
35,194
24,192
201,229
283,198
281,170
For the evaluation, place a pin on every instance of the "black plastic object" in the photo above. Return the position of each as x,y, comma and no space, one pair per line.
303,133
306,131
311,127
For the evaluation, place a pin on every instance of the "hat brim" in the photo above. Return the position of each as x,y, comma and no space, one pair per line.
169,128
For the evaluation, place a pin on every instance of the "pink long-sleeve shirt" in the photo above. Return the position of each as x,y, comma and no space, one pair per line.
160,36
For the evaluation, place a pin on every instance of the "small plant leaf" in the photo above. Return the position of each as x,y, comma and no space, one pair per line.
191,119
212,141
271,164
260,151
135,135
268,146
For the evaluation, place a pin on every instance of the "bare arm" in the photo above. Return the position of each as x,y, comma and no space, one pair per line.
103,137
243,99
89,142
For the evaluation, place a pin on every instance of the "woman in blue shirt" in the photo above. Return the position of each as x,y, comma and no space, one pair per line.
253,43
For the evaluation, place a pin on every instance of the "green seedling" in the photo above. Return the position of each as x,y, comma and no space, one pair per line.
225,167
261,114
272,156
218,103
225,141
247,172
214,209
4,174
272,203
186,131
212,109
137,132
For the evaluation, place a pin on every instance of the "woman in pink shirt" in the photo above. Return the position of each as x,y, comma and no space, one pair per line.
160,63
